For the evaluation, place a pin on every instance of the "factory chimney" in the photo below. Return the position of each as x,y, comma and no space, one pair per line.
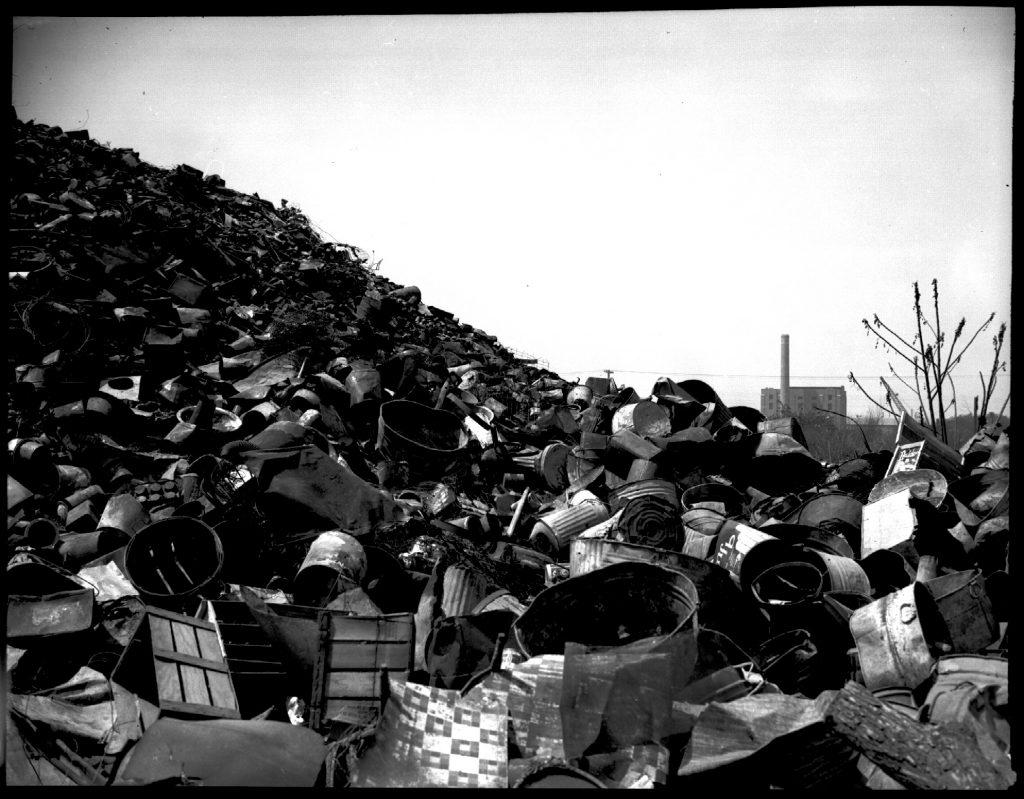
784,382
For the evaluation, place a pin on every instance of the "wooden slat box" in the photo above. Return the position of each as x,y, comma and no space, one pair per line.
256,669
176,662
353,651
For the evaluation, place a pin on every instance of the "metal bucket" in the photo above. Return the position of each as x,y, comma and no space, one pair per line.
713,496
581,395
894,636
825,507
172,560
664,489
966,608
735,542
841,574
124,512
551,465
787,593
553,531
616,605
334,558
431,441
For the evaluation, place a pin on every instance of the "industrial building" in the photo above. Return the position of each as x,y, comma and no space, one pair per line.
798,400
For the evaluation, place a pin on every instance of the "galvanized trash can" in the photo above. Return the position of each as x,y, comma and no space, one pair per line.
895,636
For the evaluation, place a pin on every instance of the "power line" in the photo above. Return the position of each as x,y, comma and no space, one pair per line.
766,377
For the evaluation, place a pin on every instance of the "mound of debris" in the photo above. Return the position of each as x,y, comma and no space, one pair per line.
273,520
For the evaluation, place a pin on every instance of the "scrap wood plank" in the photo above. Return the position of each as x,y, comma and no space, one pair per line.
924,756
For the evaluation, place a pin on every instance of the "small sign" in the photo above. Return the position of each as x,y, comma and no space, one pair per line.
906,457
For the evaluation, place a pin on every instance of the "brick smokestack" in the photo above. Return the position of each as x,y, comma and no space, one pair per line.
784,381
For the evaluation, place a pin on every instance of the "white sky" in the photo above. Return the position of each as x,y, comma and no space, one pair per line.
658,193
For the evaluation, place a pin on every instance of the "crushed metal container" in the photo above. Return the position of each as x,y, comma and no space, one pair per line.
44,600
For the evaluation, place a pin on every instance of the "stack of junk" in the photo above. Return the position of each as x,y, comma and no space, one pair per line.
272,520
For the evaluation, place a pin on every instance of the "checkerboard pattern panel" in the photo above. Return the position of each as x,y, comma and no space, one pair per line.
432,737
649,761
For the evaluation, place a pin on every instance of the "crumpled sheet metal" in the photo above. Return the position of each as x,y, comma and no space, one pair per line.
225,752
86,706
433,737
731,731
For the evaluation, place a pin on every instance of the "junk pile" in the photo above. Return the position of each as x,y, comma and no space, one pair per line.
272,520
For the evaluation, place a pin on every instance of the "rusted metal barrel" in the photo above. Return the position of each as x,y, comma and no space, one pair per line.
334,559
172,560
894,637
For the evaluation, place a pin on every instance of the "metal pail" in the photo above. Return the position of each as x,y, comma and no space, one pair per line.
334,558
894,637
735,542
713,496
615,605
124,512
841,574
431,441
966,608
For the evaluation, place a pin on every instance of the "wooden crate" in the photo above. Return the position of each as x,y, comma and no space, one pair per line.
353,651
256,669
176,662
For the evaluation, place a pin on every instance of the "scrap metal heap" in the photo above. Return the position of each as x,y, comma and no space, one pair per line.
273,520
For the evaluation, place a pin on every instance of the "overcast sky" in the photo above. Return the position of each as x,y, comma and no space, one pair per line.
656,193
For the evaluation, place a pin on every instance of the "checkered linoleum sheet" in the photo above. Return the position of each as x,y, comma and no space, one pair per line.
432,737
